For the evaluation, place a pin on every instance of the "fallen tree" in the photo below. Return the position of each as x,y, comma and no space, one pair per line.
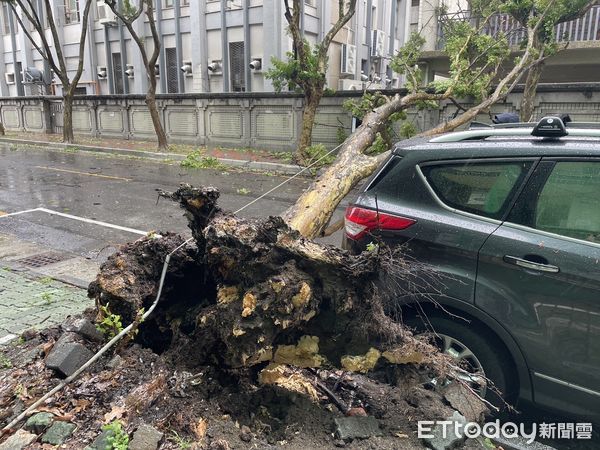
260,336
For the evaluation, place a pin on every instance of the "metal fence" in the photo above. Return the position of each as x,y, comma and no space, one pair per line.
582,29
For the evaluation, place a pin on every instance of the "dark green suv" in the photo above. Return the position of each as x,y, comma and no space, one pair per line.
510,218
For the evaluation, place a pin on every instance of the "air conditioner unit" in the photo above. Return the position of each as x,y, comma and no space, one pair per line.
105,14
350,85
377,44
348,63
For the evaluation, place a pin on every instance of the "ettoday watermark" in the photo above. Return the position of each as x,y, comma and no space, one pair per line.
429,429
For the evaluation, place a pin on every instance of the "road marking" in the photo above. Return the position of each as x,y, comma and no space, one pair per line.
95,222
110,177
81,219
19,212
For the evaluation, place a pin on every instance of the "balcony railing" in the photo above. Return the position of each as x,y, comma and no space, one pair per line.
585,28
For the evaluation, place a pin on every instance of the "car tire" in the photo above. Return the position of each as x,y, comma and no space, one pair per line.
488,350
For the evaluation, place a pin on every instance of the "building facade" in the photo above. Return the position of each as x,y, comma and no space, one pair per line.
208,46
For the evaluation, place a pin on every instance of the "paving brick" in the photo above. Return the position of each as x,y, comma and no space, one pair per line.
27,303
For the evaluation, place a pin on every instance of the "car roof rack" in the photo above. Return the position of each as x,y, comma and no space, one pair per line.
551,127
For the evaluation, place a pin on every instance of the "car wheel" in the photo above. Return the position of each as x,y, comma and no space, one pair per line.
481,356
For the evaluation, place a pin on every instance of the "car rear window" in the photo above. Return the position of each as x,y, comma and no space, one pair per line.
481,188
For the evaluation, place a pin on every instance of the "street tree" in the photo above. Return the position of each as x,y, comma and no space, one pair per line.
478,69
128,14
50,48
306,66
544,40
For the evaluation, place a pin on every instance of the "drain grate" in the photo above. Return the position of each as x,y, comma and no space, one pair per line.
43,259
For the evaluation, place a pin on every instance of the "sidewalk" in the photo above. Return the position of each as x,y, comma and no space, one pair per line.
28,303
39,288
253,159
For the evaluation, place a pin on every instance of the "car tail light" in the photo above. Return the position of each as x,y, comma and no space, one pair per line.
360,221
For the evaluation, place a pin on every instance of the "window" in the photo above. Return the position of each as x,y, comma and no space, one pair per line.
118,73
172,70
71,11
569,203
237,67
171,3
480,188
6,19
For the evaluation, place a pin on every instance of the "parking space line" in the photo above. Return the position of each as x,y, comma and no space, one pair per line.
80,219
91,174
93,221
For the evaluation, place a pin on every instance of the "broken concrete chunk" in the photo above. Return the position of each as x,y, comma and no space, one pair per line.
305,354
460,399
301,299
443,436
39,422
18,441
68,355
146,437
85,329
361,363
58,433
356,427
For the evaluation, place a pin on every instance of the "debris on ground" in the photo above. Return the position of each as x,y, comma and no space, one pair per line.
261,339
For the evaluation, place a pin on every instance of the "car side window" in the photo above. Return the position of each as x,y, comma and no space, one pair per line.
569,202
482,188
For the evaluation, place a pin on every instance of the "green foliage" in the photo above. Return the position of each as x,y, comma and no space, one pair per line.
198,160
318,155
180,441
371,247
5,363
380,145
341,135
118,439
47,297
243,191
406,59
109,324
408,130
295,74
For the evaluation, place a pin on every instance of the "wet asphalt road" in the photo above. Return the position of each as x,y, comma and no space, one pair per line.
117,191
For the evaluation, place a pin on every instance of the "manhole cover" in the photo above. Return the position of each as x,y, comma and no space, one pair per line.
43,259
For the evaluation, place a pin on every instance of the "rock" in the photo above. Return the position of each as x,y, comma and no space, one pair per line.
18,441
356,427
441,442
246,434
101,442
68,355
219,444
39,422
84,328
58,433
145,437
114,362
462,401
356,412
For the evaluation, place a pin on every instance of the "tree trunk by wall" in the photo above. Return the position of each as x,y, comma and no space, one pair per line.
308,120
527,106
161,136
68,136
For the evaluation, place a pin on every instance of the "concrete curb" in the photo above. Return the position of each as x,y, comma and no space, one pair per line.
263,166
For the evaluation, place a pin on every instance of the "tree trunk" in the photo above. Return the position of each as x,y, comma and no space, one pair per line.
308,120
313,210
163,145
527,105
68,137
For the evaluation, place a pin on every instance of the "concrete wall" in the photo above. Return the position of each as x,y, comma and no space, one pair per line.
265,121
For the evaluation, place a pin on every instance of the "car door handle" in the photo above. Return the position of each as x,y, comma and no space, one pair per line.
531,265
